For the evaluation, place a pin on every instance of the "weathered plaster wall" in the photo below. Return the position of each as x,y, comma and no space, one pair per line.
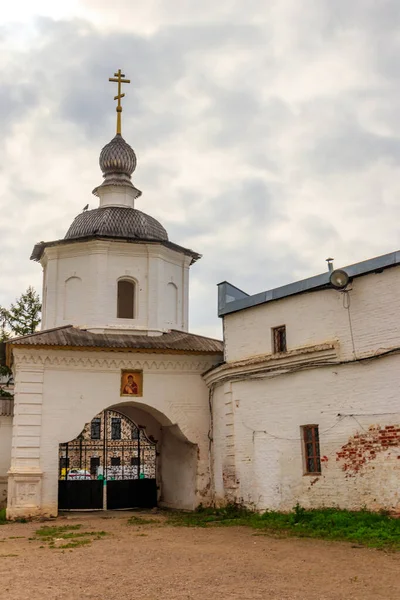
257,449
5,455
178,473
360,453
57,392
80,286
318,317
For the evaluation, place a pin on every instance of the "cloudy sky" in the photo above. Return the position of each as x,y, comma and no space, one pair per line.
267,132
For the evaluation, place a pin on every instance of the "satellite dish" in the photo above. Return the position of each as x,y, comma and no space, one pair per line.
339,279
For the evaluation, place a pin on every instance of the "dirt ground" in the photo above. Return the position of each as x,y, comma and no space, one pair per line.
157,561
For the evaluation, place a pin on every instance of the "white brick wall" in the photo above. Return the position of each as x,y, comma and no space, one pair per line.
318,317
58,392
271,406
268,446
99,264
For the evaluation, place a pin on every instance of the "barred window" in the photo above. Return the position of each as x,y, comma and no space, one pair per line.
279,339
135,461
115,461
95,428
311,449
115,428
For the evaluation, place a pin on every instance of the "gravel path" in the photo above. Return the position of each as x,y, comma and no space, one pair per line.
159,562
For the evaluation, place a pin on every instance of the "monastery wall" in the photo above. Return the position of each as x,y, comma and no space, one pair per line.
261,400
357,409
322,316
57,392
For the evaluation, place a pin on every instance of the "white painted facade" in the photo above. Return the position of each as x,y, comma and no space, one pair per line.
80,286
57,392
226,431
261,400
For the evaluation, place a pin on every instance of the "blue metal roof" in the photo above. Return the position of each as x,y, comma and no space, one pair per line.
232,299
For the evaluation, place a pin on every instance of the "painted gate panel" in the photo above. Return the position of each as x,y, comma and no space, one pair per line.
80,495
131,493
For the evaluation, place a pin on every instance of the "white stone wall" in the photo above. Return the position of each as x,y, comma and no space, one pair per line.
268,414
5,455
179,473
57,392
318,317
271,397
80,286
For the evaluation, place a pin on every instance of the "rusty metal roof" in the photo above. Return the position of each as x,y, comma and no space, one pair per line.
72,337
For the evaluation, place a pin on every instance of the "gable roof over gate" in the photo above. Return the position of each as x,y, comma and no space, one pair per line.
72,338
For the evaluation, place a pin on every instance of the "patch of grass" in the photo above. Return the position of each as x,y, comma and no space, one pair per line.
3,516
69,534
8,555
203,517
16,537
51,532
77,543
73,535
140,521
375,530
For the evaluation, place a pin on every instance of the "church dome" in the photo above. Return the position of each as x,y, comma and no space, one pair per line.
116,222
117,157
117,162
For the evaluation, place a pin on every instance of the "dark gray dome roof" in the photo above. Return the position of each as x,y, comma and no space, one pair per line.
117,157
116,222
117,162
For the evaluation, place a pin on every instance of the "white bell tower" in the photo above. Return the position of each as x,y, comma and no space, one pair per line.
116,269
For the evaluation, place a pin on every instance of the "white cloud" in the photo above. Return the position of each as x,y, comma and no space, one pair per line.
268,135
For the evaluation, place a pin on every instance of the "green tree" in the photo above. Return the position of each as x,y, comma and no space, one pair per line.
23,317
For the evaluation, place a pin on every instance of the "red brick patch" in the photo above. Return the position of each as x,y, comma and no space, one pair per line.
363,447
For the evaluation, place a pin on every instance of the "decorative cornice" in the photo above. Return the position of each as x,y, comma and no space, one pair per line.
96,361
24,472
271,365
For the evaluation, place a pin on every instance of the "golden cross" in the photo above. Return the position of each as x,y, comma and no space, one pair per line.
118,78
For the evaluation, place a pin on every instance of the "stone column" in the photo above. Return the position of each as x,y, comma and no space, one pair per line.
25,474
229,464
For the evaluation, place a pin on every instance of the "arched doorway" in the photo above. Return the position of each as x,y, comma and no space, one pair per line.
110,465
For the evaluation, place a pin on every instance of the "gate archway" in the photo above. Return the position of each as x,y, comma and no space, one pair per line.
110,465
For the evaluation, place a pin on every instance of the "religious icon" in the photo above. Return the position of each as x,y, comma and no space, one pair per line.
131,383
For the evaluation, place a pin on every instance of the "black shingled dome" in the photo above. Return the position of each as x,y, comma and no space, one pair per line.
116,222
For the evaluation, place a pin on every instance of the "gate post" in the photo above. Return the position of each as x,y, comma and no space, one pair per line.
105,494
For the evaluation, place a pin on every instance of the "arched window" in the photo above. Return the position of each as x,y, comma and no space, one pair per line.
171,304
126,299
72,298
